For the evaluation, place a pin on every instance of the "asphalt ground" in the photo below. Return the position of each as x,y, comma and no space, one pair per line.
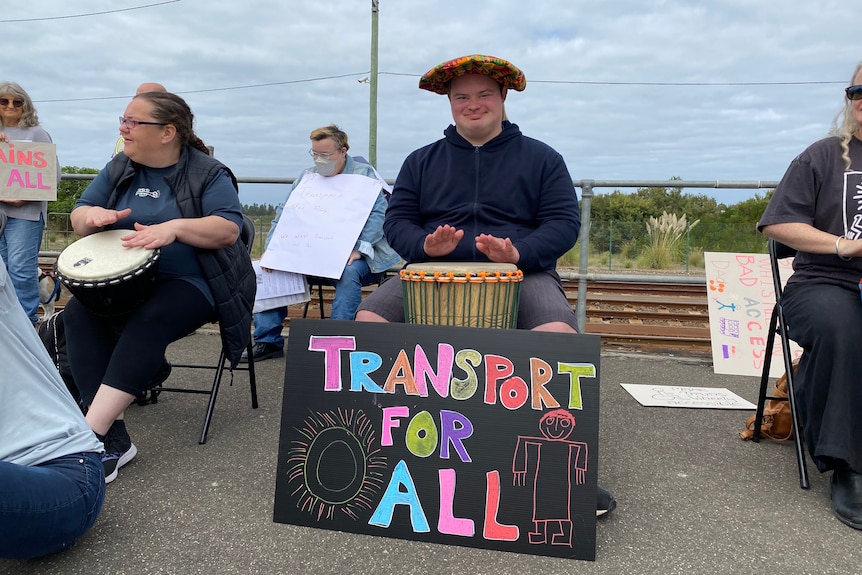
693,498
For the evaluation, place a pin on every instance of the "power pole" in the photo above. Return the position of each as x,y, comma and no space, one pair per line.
372,113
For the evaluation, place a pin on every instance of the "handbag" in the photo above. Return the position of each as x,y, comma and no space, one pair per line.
777,421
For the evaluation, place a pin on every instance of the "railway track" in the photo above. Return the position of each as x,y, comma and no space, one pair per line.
666,317
638,316
649,317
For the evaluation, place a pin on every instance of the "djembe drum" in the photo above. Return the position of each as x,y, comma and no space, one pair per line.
470,294
106,277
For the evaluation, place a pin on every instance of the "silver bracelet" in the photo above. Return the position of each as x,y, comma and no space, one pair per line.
838,239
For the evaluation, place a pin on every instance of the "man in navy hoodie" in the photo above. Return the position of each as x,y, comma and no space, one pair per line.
485,192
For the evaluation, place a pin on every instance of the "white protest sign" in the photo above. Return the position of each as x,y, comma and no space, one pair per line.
740,301
28,171
320,223
678,396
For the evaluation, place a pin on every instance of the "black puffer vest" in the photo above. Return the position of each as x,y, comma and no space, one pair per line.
228,271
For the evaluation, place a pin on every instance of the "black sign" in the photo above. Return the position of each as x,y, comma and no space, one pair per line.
463,436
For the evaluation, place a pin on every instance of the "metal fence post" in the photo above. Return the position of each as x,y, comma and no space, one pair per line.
583,264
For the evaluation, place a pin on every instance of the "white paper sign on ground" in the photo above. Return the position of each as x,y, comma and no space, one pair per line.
740,298
278,288
320,223
28,171
677,396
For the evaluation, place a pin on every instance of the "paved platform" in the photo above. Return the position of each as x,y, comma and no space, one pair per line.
693,498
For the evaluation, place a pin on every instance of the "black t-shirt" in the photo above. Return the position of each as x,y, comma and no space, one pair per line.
818,190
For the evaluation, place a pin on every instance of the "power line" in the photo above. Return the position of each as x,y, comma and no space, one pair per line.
580,82
802,83
89,13
224,89
596,83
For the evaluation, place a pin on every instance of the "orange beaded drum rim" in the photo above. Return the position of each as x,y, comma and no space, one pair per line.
470,294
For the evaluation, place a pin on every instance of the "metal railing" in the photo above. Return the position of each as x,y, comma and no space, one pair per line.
587,188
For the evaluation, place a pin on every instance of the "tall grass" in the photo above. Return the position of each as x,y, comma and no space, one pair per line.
664,236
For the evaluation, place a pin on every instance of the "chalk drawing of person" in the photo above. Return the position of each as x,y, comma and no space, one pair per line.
549,460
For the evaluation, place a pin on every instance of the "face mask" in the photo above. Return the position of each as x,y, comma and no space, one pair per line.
325,167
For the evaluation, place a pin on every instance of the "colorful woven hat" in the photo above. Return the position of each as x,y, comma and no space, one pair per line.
437,78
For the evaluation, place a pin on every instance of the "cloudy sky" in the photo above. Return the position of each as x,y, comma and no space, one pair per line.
623,89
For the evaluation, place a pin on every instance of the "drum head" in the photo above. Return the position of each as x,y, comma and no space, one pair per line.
101,256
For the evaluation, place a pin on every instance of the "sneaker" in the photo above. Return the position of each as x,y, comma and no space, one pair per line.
261,351
605,503
119,450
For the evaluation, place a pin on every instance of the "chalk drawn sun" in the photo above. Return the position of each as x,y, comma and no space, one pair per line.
337,465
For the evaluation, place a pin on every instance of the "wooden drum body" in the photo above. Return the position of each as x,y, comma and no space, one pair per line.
470,294
106,277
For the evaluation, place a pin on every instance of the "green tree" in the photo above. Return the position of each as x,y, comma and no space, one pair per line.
258,210
68,191
618,218
746,211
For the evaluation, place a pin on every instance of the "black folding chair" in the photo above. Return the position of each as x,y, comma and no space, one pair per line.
311,285
247,236
777,325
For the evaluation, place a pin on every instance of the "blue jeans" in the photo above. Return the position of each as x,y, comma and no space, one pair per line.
47,507
348,296
19,248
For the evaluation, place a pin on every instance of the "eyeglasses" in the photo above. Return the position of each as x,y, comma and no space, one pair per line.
854,92
323,155
132,124
16,103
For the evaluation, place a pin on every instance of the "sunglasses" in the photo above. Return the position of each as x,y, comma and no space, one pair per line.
6,101
854,92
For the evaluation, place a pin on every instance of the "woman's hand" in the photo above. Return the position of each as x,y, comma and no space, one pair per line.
99,217
88,220
151,237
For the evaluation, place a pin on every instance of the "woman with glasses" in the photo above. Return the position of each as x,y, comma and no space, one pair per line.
169,194
817,210
19,246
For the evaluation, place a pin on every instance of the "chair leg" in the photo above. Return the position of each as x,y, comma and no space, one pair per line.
764,376
791,398
320,299
213,395
252,378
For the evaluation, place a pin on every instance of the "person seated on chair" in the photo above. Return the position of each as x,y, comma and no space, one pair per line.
170,194
815,210
369,260
485,192
50,469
